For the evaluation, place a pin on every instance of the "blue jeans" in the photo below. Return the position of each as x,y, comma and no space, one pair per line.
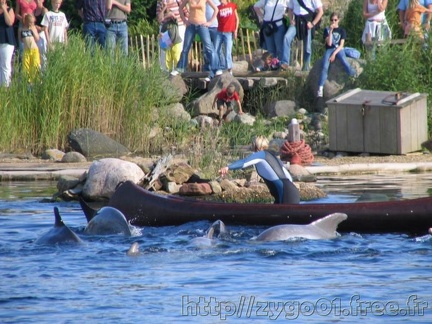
227,39
307,47
326,64
218,56
275,42
94,32
204,34
117,34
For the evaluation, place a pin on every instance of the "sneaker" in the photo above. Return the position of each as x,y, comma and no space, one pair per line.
174,72
284,67
320,92
207,79
218,72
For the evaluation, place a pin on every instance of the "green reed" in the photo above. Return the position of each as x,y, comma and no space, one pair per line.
110,94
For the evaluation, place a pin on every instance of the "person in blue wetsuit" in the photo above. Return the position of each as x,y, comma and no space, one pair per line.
271,169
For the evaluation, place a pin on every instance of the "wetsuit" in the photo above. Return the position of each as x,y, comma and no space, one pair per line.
276,177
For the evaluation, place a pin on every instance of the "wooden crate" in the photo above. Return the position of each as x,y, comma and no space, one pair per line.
377,122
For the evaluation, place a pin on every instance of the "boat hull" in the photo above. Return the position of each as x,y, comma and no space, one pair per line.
144,208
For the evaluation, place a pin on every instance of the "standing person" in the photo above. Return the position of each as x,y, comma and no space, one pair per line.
225,100
39,13
7,42
197,24
304,16
376,26
29,36
271,170
213,30
272,12
55,24
413,19
174,48
334,38
173,7
93,13
24,7
228,23
117,33
425,18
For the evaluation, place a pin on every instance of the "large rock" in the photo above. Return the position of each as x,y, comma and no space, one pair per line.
104,176
177,112
195,189
280,108
94,144
176,88
204,104
337,77
179,172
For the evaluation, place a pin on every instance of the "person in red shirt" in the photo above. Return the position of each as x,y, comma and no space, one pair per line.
225,100
228,23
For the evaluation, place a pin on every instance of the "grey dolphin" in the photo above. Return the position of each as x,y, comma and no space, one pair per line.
323,228
108,220
134,250
60,233
217,229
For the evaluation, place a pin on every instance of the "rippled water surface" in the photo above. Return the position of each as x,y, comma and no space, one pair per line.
354,278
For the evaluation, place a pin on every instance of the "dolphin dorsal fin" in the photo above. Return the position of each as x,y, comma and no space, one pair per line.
88,211
210,233
58,219
330,223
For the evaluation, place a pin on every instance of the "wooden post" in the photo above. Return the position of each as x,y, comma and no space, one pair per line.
249,47
293,131
142,50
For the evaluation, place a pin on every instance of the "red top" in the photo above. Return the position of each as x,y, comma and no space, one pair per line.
27,7
224,96
226,17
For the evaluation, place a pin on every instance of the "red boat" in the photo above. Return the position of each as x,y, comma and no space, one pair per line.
145,208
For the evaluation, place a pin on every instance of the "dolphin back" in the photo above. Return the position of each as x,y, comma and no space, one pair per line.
107,221
324,228
328,225
58,234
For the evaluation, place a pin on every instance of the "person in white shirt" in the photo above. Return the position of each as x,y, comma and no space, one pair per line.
55,24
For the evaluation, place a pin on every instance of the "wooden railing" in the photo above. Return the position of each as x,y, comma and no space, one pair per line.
147,49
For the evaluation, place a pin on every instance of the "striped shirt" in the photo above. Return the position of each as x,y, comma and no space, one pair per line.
172,6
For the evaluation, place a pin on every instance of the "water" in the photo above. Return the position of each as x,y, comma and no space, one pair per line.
353,278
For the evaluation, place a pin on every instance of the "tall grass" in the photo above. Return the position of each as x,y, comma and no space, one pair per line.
113,95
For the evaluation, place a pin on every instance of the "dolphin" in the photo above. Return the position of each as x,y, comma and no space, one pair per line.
108,220
60,233
217,229
323,228
133,250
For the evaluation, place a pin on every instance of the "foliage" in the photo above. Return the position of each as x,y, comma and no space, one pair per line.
257,98
404,68
107,94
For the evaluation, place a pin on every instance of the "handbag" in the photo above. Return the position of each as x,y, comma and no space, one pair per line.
268,27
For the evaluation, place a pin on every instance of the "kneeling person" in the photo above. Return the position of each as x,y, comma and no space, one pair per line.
225,100
271,169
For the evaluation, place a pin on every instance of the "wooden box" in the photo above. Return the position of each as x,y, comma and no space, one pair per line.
377,122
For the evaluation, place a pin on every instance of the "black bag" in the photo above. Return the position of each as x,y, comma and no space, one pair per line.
269,28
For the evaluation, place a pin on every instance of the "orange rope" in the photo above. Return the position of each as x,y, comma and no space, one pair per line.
296,153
